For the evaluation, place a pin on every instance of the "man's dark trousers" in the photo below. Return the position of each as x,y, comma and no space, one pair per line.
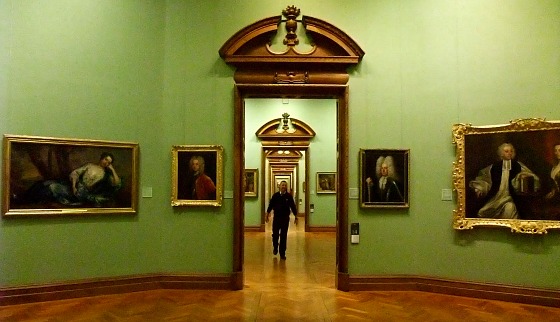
280,228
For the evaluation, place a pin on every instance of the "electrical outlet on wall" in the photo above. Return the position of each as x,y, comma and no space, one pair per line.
355,233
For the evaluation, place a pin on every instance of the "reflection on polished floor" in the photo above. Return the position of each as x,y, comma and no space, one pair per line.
300,288
310,262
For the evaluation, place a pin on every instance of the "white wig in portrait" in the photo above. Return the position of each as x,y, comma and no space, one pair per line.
387,161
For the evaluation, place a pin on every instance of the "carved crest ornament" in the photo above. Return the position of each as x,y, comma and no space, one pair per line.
321,58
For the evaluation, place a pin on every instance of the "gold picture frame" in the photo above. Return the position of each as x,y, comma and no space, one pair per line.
531,204
197,175
326,182
384,178
46,176
251,181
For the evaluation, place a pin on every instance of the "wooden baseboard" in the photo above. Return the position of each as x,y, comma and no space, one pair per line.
322,229
234,281
508,293
254,228
118,285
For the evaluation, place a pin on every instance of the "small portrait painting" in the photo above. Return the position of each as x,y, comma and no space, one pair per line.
251,182
326,182
384,178
197,176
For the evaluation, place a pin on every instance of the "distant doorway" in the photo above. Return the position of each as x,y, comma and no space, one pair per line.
292,162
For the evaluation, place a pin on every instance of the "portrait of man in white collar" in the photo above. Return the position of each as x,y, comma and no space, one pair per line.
500,183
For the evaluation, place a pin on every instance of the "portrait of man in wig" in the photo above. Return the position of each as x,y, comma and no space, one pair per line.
199,185
386,187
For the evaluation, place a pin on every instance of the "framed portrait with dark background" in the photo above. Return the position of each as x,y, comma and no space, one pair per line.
197,175
251,182
384,178
326,182
508,175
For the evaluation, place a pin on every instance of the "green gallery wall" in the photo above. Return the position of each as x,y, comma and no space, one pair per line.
149,72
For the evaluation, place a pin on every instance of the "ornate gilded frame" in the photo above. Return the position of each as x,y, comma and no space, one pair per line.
534,141
37,177
251,182
399,175
212,155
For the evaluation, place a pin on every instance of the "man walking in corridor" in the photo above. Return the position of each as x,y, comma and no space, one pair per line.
281,202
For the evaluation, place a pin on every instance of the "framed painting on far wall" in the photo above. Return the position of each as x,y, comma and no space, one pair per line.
197,175
55,176
326,182
251,181
384,178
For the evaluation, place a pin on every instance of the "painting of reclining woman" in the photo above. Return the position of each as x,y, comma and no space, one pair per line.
61,176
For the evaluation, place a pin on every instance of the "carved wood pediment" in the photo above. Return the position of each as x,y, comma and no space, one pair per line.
331,52
297,134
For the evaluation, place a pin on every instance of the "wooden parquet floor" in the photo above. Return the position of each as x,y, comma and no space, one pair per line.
298,289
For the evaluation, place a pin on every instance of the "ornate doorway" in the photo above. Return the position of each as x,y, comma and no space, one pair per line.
319,71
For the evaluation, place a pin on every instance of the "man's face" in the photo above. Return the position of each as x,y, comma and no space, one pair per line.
384,170
507,152
283,187
557,151
195,166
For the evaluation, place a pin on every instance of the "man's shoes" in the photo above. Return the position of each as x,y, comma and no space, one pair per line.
275,251
283,256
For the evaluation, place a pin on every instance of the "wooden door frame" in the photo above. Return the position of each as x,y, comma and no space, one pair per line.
328,91
321,72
